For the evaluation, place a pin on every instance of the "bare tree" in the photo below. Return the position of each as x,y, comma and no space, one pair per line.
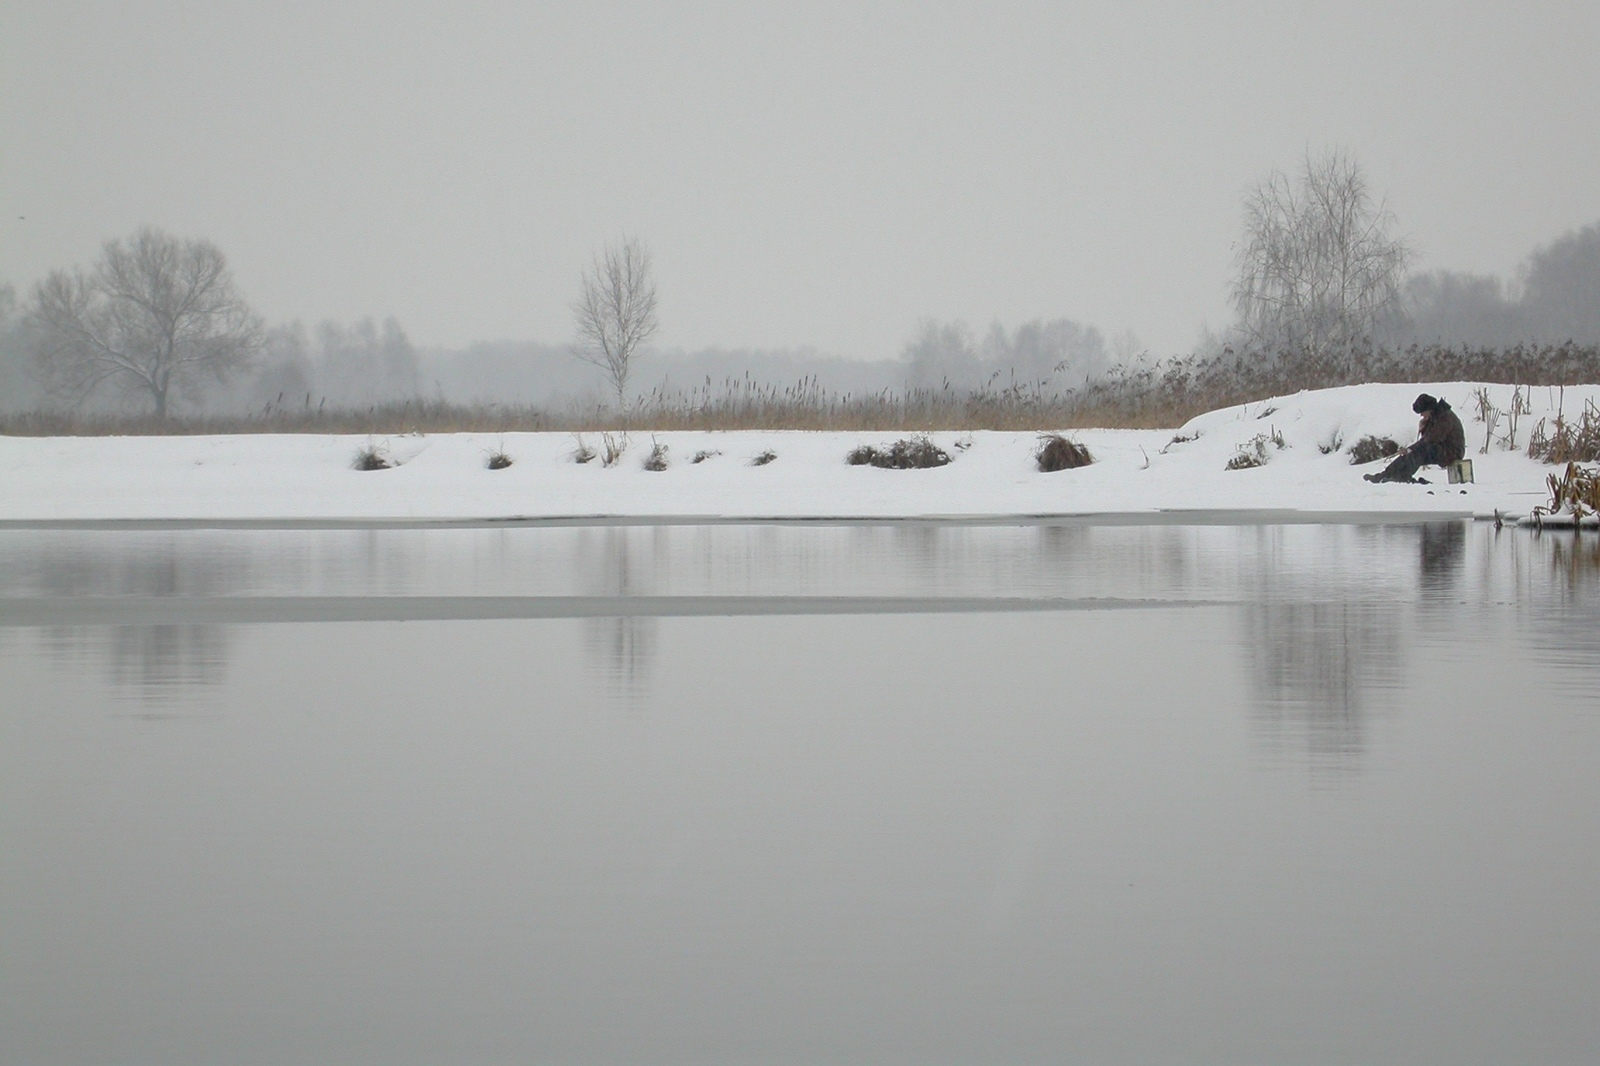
616,311
1319,270
156,314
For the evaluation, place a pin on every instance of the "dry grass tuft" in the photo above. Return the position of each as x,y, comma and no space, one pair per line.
1247,459
372,457
1370,449
498,461
1253,452
908,453
656,461
1577,490
1179,438
1056,452
764,458
702,455
1568,442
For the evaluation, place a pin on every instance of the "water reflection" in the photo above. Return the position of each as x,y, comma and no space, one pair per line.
1316,669
1326,614
1567,619
150,662
618,561
1443,548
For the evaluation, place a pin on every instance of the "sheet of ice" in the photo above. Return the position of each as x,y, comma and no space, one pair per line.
284,476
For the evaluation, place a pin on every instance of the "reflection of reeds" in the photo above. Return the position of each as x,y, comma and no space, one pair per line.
1576,559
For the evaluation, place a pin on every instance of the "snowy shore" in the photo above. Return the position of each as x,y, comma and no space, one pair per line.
282,477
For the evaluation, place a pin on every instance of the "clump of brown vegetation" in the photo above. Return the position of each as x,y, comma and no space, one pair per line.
764,458
1056,452
1370,449
373,457
908,453
1576,490
1568,442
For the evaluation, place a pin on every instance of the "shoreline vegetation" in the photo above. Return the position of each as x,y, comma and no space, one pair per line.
1144,395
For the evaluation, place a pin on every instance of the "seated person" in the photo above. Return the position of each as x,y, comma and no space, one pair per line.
1441,441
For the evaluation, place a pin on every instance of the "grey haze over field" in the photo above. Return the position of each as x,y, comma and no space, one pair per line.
805,174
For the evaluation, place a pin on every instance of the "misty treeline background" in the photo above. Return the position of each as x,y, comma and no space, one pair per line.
1540,327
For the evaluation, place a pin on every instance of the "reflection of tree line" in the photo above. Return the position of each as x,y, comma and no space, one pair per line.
1319,663
1314,667
613,562
150,659
1317,653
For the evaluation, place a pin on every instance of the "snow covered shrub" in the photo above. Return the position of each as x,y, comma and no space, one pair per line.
1248,458
702,456
1253,452
1370,449
1056,452
372,457
498,459
908,453
764,458
582,453
656,461
1334,442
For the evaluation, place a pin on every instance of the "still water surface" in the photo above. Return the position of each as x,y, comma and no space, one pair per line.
795,794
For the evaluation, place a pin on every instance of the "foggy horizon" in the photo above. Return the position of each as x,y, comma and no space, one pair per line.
822,177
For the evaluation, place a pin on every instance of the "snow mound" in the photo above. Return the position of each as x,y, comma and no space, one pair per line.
1302,441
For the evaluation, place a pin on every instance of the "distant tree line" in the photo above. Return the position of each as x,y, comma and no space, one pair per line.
1054,355
156,322
1322,272
1554,298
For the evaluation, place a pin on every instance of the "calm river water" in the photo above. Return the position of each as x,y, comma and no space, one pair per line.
900,793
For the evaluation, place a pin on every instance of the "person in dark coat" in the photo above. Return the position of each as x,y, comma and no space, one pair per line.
1441,441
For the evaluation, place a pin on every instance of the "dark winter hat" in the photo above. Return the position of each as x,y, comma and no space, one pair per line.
1424,403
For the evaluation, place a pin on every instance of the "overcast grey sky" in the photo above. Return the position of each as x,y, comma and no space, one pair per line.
805,173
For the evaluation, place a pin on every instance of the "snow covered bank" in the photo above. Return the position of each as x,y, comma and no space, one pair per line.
269,476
